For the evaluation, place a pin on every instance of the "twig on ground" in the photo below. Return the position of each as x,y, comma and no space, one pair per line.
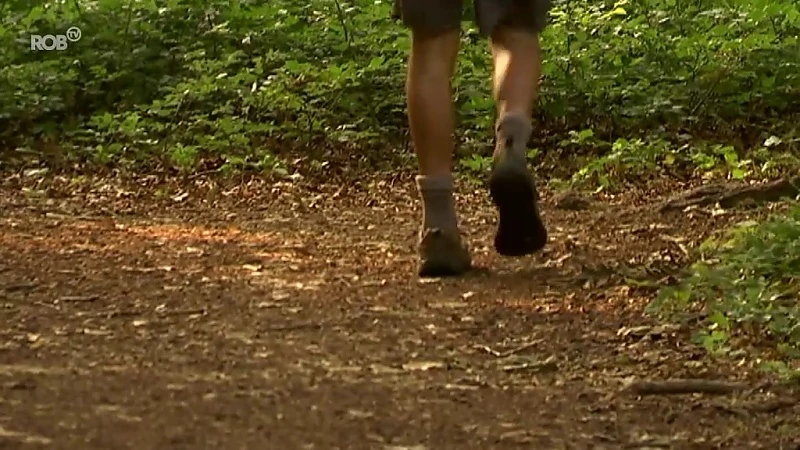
548,365
768,406
181,312
773,405
488,350
731,194
20,287
683,386
293,327
59,216
78,298
508,353
678,243
521,348
131,313
109,314
204,173
48,305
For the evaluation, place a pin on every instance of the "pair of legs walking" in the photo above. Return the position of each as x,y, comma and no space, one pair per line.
513,27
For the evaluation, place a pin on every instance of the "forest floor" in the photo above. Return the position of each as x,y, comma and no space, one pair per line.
283,316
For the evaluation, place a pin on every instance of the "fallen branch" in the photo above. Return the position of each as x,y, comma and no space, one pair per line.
759,406
731,194
772,406
204,173
683,386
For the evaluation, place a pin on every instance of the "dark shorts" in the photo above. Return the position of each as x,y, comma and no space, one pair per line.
446,15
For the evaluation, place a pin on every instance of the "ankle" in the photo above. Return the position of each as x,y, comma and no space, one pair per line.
512,132
435,182
438,202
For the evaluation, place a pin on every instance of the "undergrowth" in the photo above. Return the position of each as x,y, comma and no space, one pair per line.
630,161
746,290
285,86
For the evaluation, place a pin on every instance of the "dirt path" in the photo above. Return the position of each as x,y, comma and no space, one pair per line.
144,325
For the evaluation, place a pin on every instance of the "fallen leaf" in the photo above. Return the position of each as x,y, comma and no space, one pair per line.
638,331
461,387
280,295
24,437
381,369
30,173
356,414
423,365
517,436
91,332
557,262
449,305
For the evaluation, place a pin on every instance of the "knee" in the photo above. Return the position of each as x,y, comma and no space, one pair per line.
434,51
509,36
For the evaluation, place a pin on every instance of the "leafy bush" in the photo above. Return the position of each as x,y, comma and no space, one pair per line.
185,83
747,287
630,160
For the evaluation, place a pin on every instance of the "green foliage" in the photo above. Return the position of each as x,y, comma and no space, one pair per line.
475,167
627,158
747,287
193,79
191,85
635,159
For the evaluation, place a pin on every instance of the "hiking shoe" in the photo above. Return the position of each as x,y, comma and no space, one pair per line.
520,230
442,254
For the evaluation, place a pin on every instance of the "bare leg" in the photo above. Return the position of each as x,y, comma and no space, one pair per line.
431,118
430,107
517,66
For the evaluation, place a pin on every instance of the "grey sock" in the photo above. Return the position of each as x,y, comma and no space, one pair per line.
439,207
512,132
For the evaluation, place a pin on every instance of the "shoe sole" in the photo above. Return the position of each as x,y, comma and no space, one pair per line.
520,230
438,269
